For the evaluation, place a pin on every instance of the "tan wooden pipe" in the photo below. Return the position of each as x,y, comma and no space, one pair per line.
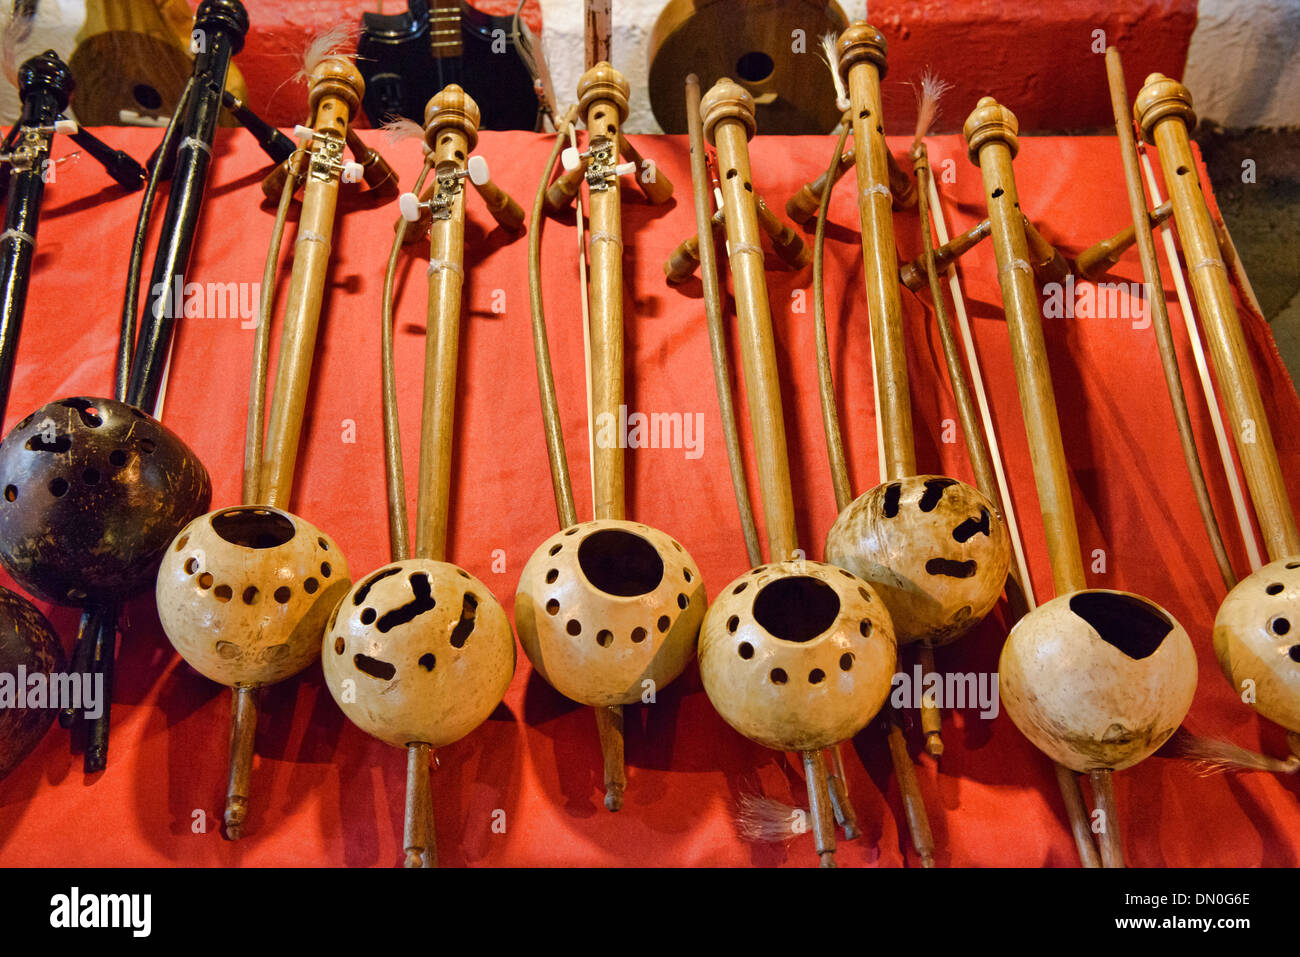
1163,110
992,143
657,188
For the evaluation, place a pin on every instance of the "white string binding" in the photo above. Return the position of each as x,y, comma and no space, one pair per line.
19,235
195,143
438,265
596,236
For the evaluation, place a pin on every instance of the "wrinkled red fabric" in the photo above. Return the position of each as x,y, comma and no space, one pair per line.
324,793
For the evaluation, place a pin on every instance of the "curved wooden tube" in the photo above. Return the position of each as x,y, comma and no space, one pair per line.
399,538
713,317
992,143
1045,259
1164,112
862,62
788,244
374,168
658,189
561,484
1159,314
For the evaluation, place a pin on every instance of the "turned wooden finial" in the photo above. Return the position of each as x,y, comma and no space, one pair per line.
1161,97
336,77
727,100
990,121
861,42
603,82
451,107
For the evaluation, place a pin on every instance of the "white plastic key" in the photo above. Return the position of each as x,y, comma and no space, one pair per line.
478,170
571,159
409,204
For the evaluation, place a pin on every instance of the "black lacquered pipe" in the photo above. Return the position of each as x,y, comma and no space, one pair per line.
44,84
222,25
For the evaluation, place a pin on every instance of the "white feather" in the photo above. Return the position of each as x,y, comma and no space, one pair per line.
832,58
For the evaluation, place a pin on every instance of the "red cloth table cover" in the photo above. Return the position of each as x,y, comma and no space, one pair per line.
324,793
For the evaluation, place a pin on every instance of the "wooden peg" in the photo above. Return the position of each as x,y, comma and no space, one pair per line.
243,732
788,244
803,205
819,805
508,213
1100,256
658,188
682,261
912,273
559,195
1045,259
374,168
418,833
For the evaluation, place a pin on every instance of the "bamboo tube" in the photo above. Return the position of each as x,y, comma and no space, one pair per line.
600,93
730,126
862,61
418,842
1159,315
814,767
442,345
243,731
1103,798
302,316
713,316
1164,112
993,150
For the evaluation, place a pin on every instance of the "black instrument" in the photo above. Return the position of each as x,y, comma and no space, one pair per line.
406,58
95,489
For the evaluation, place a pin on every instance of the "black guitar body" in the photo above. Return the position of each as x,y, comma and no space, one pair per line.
401,73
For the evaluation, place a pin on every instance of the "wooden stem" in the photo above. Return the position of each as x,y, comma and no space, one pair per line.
1103,799
243,734
713,317
1159,315
374,168
754,325
104,657
658,189
609,725
419,840
681,262
880,264
302,319
1034,378
788,244
839,787
1236,375
931,717
441,352
819,804
918,822
1077,814
606,291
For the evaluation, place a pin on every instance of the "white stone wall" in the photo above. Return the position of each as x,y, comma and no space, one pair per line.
1243,64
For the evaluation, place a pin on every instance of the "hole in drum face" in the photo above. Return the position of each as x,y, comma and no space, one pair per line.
796,609
1127,622
620,563
754,66
253,528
